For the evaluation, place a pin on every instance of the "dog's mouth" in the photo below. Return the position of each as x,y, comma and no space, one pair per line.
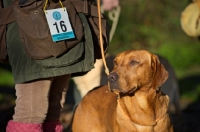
113,87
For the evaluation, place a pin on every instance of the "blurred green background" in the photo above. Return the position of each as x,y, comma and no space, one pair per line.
154,26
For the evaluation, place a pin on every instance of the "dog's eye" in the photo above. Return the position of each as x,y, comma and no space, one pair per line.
133,62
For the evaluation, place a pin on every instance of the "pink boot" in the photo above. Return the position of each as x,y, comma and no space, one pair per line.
52,127
23,127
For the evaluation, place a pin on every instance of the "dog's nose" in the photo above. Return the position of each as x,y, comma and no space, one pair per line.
112,77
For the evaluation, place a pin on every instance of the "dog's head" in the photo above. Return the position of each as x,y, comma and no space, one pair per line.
136,69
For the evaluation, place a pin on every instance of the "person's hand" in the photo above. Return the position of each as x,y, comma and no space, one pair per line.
109,4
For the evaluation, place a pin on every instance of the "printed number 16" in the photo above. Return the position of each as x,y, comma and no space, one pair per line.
62,25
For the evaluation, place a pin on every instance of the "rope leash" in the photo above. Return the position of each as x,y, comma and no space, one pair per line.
101,40
104,61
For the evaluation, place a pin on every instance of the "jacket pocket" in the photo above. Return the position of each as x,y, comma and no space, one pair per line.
34,30
69,58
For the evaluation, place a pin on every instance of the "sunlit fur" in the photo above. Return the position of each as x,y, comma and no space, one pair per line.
131,102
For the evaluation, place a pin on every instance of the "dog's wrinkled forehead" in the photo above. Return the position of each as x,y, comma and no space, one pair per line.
133,55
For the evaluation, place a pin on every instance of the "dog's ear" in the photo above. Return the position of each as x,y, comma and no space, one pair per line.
160,74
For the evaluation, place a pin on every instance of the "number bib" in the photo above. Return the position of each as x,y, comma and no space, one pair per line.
59,24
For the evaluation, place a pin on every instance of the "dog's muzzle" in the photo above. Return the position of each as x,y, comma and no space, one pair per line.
113,82
112,77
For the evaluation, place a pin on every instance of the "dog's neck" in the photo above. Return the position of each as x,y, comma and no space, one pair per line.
143,108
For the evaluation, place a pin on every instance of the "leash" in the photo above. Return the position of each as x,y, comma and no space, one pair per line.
101,40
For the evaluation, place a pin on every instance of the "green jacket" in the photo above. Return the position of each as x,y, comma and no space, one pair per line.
79,59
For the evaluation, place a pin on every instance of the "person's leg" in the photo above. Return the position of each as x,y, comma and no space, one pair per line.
31,106
39,101
56,103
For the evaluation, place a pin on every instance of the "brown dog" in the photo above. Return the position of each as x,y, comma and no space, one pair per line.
97,77
136,103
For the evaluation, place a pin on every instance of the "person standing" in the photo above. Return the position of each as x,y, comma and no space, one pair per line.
41,90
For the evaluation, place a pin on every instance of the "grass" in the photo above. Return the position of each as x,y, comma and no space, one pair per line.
6,77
